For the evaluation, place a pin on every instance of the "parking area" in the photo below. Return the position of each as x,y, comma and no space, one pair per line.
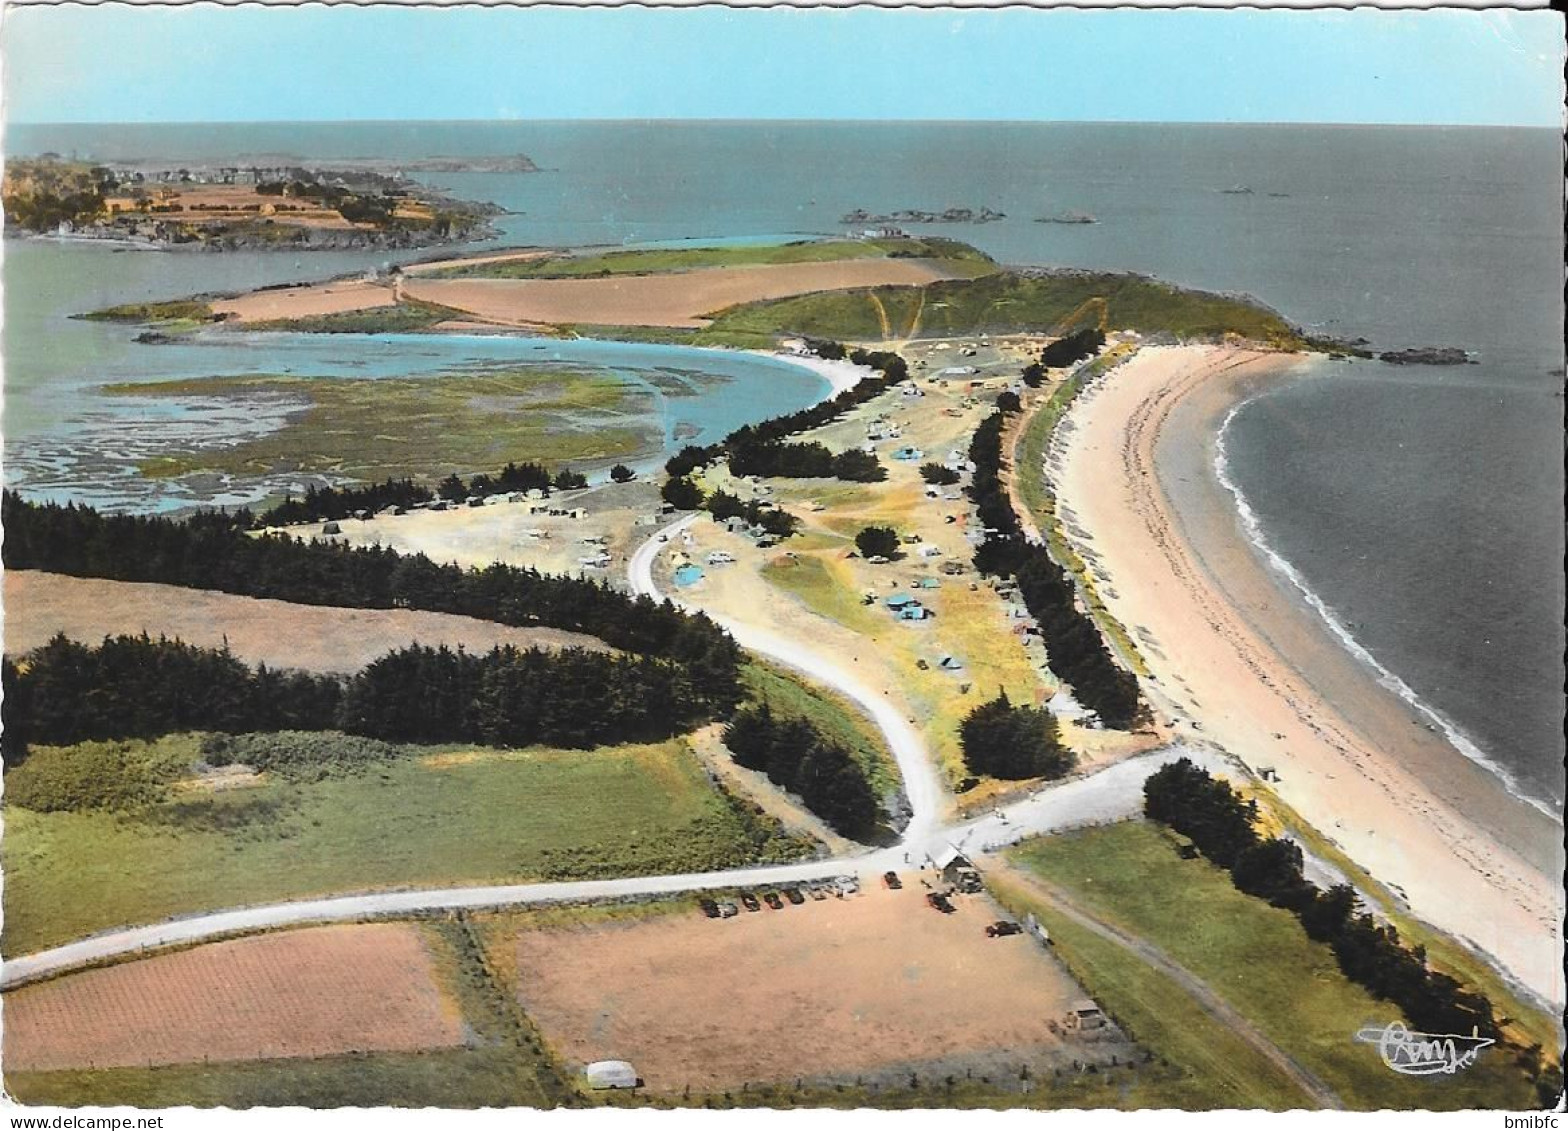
808,986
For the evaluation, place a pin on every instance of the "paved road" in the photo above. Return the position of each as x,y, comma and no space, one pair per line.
1110,794
1207,1000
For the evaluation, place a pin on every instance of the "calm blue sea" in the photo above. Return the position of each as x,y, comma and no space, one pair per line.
1422,505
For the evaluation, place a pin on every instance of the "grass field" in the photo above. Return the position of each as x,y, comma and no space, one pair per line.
652,261
834,716
451,817
406,317
1260,961
426,427
1003,303
154,313
1209,1066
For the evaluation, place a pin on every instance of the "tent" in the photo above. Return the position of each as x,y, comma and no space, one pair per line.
611,1074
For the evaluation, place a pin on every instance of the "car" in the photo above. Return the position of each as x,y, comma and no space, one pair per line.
772,900
1002,928
815,891
749,901
892,881
845,885
709,908
940,901
794,896
728,910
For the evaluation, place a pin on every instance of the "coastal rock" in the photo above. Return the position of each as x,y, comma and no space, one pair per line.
921,216
1430,355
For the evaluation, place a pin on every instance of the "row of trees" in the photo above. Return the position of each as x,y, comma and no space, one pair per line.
340,502
1074,648
137,687
758,438
1221,825
1064,352
1004,741
799,758
211,550
773,459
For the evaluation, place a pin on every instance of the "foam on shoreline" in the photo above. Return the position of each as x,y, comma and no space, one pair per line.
1387,679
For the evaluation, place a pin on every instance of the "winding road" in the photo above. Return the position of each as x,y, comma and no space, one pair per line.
1110,794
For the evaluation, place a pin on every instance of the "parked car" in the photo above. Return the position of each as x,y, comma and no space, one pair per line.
772,900
794,896
845,885
815,891
1002,928
728,910
749,901
939,901
709,908
892,881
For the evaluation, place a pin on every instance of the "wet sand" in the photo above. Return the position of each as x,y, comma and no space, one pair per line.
1239,659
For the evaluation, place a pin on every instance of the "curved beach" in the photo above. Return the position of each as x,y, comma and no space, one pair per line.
1240,659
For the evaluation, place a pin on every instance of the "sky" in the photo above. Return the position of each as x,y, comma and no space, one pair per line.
206,63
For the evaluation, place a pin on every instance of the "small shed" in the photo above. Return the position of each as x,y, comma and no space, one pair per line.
602,1074
1085,1015
332,528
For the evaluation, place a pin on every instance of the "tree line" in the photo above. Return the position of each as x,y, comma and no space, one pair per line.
799,758
136,687
1064,352
331,503
211,550
1221,824
1075,650
759,449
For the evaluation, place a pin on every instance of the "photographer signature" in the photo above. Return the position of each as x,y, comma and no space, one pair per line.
1422,1054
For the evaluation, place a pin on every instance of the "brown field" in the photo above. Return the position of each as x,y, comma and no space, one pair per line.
840,988
200,203
310,301
678,299
303,993
276,633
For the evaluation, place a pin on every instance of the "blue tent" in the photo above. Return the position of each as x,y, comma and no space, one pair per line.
900,601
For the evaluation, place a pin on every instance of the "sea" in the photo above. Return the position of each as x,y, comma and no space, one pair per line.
1419,508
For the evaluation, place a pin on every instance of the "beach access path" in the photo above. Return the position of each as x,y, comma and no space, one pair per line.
1220,674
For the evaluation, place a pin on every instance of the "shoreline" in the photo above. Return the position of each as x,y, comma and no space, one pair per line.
1216,623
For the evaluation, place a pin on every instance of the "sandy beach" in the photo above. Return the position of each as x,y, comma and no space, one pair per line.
1238,659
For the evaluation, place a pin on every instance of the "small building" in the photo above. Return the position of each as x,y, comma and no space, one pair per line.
951,863
602,1074
332,528
1085,1015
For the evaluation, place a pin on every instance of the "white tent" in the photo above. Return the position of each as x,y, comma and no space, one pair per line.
611,1074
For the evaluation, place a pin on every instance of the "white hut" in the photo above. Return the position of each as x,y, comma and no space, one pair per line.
603,1074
